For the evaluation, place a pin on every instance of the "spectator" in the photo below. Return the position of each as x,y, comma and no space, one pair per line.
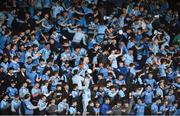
5,105
16,105
100,57
42,105
28,106
105,108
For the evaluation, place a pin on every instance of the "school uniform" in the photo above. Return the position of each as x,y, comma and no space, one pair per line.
154,108
72,110
140,108
4,107
11,91
28,107
23,91
63,107
15,106
42,107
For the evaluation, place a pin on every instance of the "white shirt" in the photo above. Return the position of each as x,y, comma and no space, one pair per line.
78,80
86,96
113,59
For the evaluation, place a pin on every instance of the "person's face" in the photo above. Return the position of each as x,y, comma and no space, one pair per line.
139,101
101,88
42,62
6,59
86,59
22,48
121,64
139,32
13,84
53,101
101,64
51,41
149,88
57,74
48,47
16,98
129,31
161,85
110,77
171,91
122,44
49,63
39,13
169,70
30,50
131,52
48,72
46,16
107,101
22,34
8,46
23,69
79,29
109,84
77,49
114,41
32,37
29,60
142,9
46,84
25,84
44,98
9,33
176,105
150,76
100,76
58,88
11,71
67,50
97,104
14,47
120,77
75,103
119,104
37,86
126,105
113,52
113,89
178,80
166,103
64,100
91,104
66,87
124,89
152,56
96,47
95,88
96,20
66,64
65,14
6,97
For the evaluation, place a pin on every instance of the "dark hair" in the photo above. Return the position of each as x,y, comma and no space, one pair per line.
26,96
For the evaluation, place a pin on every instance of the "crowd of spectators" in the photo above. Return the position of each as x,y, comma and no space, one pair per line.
89,57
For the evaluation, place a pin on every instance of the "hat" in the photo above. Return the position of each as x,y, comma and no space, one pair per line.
66,45
120,32
89,71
